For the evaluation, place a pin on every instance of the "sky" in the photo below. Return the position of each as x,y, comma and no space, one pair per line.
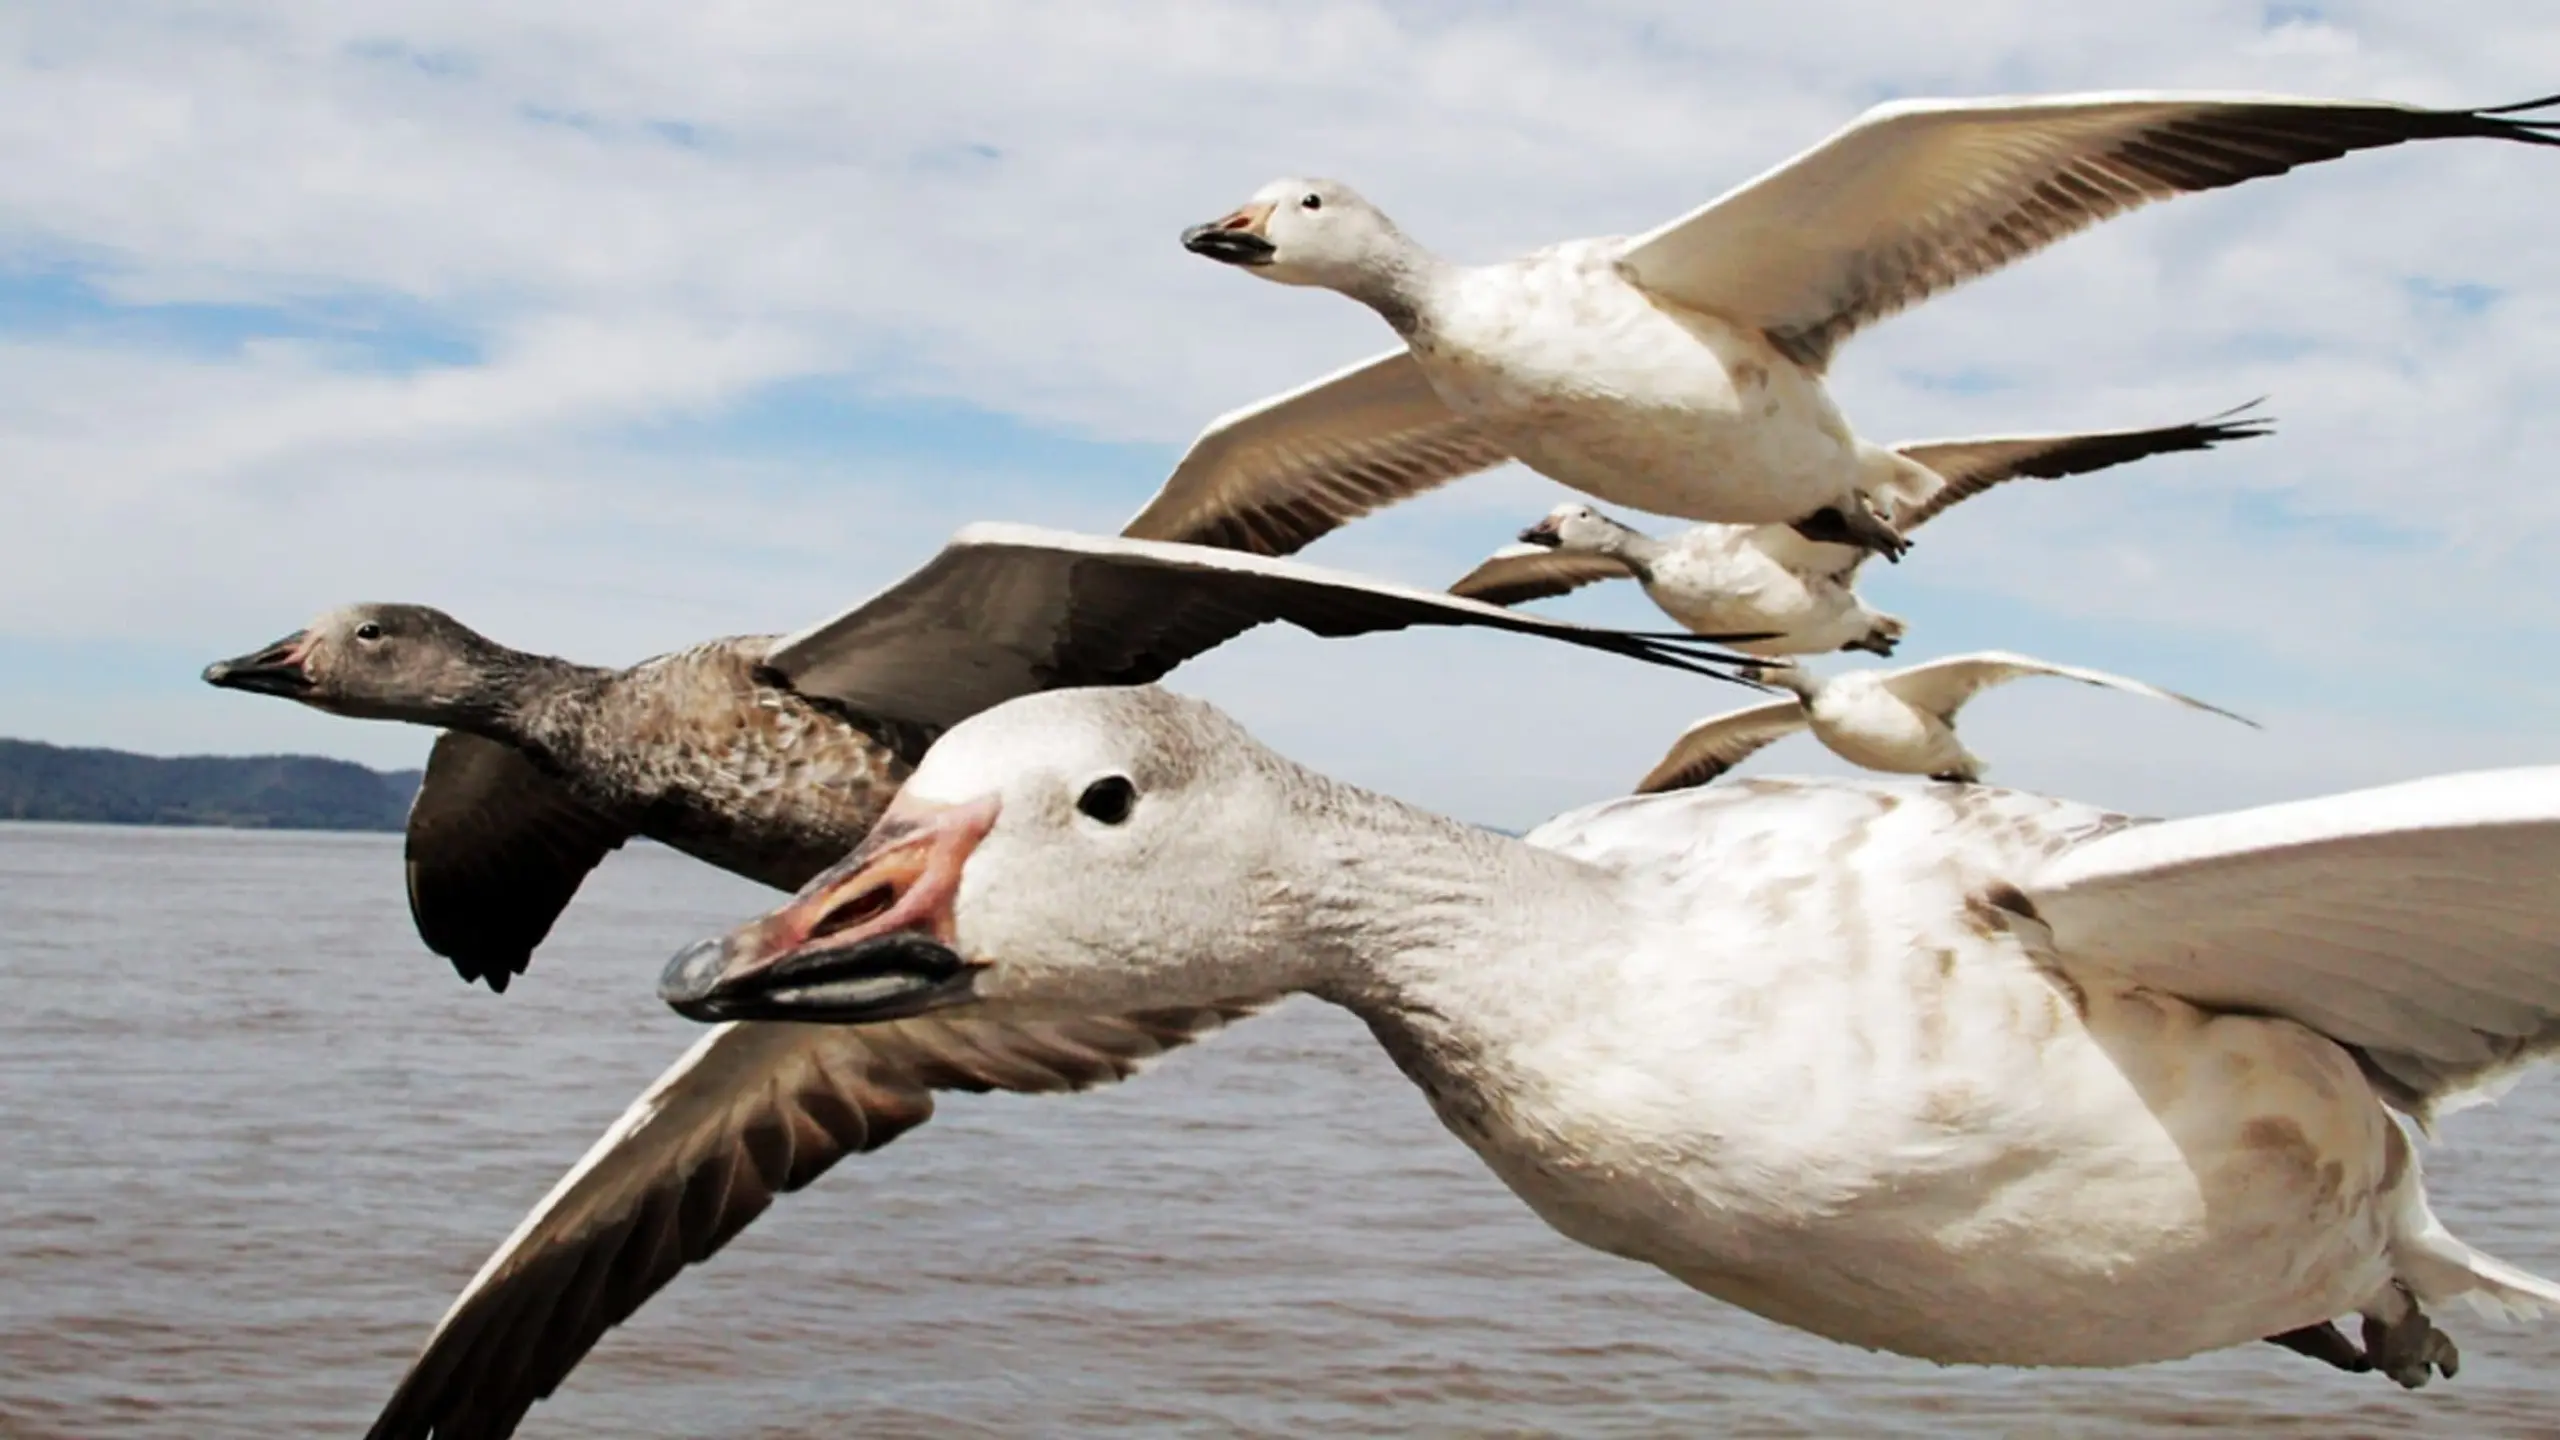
614,328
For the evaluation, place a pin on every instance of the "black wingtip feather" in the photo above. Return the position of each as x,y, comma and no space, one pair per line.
2544,103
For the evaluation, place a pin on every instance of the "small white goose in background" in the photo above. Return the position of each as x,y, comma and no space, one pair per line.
1900,722
2069,1089
1754,579
1681,371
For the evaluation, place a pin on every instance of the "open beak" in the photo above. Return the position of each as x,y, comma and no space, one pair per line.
1235,240
276,670
868,940
1546,535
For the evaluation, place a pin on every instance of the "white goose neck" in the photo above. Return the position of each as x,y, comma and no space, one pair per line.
1635,547
1402,282
1806,686
1441,935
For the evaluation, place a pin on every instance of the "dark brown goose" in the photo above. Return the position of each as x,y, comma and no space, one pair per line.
769,756
549,765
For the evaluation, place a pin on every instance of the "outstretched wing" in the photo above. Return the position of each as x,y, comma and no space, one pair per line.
752,1111
1917,196
1276,476
1717,744
1516,574
1941,687
2418,924
1966,468
1007,610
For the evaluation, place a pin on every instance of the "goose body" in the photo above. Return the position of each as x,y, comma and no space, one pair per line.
1896,722
768,756
1769,579
550,766
1710,575
1967,1074
1682,371
1907,1132
707,750
1757,580
1589,381
1962,1073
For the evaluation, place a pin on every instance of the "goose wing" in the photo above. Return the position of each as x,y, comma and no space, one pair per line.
2417,924
1917,196
1274,477
497,845
1966,468
1006,610
751,1112
1720,742
1941,687
1516,574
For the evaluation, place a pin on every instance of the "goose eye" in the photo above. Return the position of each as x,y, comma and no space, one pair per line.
1108,799
368,631
1311,202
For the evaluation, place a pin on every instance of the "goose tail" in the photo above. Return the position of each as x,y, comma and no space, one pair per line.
2440,1269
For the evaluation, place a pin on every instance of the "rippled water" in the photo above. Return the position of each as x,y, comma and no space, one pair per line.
253,1137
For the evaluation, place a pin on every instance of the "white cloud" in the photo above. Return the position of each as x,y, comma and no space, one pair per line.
636,215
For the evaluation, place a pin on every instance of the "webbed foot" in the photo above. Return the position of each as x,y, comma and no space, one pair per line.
2326,1343
1854,524
2410,1348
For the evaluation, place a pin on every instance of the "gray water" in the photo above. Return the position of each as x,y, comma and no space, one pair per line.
253,1137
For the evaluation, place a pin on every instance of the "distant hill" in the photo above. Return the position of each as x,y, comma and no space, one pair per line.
257,792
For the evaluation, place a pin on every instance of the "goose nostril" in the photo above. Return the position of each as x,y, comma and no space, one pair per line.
870,905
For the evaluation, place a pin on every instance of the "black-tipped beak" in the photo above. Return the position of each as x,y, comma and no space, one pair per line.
883,977
1544,535
276,670
1236,239
869,940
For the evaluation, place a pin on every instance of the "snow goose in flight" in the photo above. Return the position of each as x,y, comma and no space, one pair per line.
1900,722
1737,579
2076,1089
770,756
1681,371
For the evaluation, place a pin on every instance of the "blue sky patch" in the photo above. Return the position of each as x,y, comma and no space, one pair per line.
377,332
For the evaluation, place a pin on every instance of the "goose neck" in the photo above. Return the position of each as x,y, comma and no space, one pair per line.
521,698
1428,926
1404,283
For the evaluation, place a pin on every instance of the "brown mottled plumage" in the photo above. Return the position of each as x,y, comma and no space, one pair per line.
549,766
771,757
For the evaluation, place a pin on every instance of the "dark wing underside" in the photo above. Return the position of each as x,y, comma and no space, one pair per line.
1008,610
497,845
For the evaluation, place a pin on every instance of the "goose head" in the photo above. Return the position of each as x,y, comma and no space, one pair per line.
1070,853
1575,528
375,662
1306,232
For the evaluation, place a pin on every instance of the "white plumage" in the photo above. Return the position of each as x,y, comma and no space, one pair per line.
1681,371
1963,1073
1901,722
1768,579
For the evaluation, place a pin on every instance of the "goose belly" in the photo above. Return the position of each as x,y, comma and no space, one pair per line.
1879,732
1591,384
1752,592
2020,1173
